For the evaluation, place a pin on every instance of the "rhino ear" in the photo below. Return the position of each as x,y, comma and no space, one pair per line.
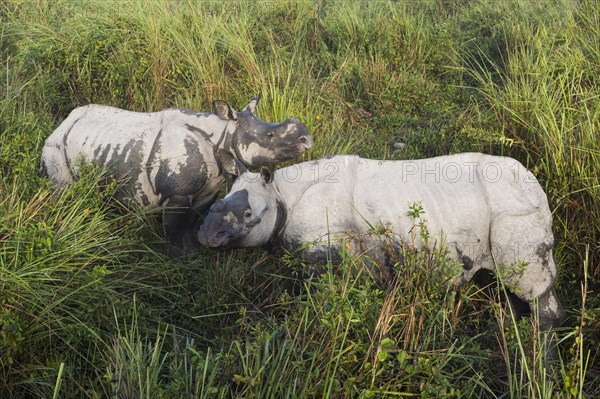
267,174
230,166
224,111
252,104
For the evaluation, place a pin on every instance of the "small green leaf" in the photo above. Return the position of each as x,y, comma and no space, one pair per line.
402,356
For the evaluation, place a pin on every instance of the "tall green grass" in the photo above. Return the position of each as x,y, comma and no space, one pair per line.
545,102
91,307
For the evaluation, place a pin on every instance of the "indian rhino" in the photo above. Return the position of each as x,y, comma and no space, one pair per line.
175,158
490,212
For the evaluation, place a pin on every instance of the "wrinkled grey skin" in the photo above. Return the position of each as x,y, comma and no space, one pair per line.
490,212
175,158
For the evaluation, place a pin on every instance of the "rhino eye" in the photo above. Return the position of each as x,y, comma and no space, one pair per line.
248,213
271,134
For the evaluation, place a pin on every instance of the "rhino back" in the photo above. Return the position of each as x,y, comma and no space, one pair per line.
453,205
145,149
460,195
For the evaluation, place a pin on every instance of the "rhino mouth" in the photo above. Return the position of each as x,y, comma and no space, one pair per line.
224,239
218,240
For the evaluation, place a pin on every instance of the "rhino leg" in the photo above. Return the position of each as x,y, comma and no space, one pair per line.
528,266
522,252
315,258
376,260
179,220
551,312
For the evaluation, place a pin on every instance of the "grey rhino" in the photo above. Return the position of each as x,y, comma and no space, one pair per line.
490,212
175,158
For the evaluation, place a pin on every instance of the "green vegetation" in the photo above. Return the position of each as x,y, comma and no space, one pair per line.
91,307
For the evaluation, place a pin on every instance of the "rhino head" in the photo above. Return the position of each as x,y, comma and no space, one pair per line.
249,216
257,143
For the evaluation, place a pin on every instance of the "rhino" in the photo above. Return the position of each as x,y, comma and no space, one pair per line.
176,159
489,211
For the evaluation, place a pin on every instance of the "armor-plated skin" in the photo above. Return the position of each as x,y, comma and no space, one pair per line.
176,158
490,212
